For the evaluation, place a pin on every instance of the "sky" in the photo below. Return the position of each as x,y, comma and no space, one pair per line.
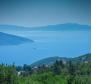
31,13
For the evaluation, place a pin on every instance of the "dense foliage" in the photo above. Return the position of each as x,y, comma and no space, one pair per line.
59,73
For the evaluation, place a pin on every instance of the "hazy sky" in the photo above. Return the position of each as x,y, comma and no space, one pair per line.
44,12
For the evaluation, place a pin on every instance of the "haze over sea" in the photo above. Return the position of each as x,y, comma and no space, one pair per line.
46,44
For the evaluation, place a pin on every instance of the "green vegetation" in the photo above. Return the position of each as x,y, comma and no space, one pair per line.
74,71
58,73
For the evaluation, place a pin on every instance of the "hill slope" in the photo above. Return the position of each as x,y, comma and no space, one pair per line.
51,60
48,61
8,39
83,58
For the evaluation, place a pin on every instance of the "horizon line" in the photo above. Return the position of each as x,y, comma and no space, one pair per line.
43,25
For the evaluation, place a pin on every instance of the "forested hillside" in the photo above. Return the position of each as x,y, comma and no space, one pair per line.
59,72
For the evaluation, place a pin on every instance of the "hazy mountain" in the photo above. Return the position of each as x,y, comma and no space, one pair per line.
67,26
51,60
12,28
8,39
58,27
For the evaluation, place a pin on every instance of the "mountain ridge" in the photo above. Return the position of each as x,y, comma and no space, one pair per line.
50,60
57,27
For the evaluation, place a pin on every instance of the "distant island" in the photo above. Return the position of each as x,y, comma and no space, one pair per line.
8,39
57,27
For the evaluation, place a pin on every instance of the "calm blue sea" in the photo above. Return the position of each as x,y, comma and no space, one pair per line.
46,44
